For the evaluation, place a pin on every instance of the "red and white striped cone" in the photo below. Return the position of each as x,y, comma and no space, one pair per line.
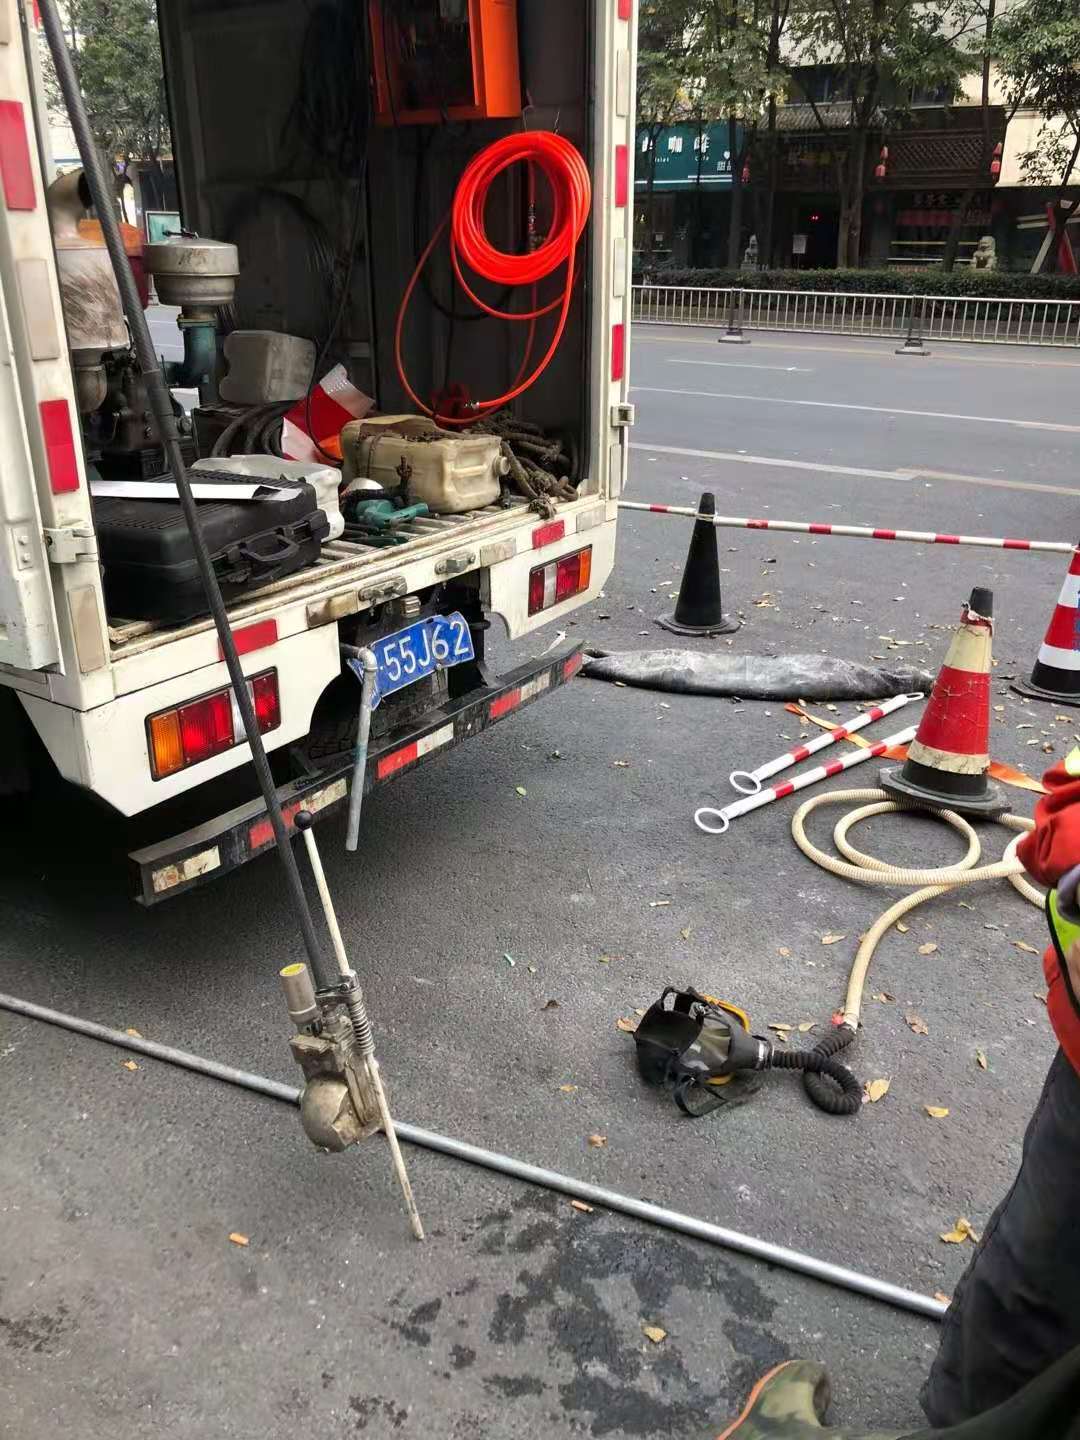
949,759
1056,675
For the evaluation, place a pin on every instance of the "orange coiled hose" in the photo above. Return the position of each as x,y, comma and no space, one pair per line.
564,169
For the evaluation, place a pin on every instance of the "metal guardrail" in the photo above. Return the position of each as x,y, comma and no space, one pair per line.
978,319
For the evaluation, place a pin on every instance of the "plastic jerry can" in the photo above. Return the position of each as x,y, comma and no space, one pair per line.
451,474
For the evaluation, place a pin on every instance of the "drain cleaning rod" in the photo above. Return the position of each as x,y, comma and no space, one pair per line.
771,1254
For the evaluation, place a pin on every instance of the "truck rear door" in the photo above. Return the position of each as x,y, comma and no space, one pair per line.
43,495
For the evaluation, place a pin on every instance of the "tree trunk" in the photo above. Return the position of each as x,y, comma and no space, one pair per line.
695,249
734,246
772,151
952,241
849,238
650,197
772,59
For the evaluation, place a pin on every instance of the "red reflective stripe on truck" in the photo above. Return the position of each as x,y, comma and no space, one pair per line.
622,175
618,351
15,169
504,704
548,534
252,637
59,446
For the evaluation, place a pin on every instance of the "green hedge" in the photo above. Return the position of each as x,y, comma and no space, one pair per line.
1008,285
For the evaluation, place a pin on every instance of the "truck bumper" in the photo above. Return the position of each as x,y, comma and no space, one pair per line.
198,856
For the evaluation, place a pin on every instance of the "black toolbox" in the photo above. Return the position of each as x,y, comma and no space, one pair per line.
148,560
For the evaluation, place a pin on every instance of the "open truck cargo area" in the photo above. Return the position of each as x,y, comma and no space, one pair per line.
321,148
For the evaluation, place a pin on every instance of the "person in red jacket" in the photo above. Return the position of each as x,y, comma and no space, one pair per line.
1017,1308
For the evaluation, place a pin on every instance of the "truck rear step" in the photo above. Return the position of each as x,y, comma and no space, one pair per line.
181,863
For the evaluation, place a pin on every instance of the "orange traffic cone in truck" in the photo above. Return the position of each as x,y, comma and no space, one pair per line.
949,759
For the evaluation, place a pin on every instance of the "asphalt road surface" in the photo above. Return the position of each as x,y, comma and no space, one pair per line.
126,1312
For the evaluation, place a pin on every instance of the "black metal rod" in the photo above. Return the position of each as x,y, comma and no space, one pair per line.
165,422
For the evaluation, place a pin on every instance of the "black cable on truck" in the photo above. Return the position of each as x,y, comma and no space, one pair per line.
165,422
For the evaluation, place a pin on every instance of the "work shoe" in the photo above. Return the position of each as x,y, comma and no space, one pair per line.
789,1403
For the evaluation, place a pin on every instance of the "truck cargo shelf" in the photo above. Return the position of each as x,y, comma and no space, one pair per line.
338,560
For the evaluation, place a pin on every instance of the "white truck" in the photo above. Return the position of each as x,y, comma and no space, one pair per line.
249,81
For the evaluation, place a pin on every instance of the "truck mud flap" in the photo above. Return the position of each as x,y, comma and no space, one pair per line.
179,864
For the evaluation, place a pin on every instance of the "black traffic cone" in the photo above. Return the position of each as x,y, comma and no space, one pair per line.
699,609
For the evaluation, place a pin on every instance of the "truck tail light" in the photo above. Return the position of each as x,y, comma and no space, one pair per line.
208,726
558,580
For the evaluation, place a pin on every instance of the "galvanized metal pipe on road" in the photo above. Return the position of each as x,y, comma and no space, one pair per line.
765,1250
852,532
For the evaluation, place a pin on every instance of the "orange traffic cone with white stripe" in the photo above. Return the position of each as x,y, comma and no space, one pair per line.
1056,675
949,759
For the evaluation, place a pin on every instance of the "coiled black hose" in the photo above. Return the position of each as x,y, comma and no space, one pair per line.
831,1085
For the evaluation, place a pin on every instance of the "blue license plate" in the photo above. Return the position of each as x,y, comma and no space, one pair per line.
433,644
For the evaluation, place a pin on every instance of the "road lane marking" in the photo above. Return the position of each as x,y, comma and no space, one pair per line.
859,473
870,409
879,352
739,365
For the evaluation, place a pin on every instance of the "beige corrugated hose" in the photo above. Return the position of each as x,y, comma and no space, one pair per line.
868,870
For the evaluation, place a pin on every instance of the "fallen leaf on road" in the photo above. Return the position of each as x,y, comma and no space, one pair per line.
654,1333
598,1141
884,996
551,1005
876,1090
238,1239
129,1065
785,952
832,939
620,764
604,960
626,1026
531,969
568,1089
136,1033
805,1026
981,1060
685,933
639,1012
779,1026
521,790
936,1112
917,1024
928,948
960,1232
902,927
1027,949
1041,995
580,1205
940,1295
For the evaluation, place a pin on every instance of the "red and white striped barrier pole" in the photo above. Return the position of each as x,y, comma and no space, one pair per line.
853,532
789,787
749,781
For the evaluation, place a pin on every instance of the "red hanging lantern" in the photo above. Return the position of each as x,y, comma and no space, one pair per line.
881,169
995,162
